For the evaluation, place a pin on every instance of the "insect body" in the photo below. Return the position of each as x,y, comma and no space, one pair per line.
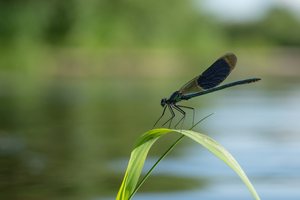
205,83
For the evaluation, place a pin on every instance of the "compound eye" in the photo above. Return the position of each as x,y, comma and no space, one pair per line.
163,102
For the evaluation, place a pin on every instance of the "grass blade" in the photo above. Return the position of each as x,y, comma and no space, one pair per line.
140,152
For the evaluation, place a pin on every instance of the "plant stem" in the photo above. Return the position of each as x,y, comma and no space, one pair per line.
155,164
163,156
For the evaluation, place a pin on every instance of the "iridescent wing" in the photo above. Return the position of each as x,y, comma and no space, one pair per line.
211,77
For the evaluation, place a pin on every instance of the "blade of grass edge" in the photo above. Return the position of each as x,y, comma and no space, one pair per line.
155,164
136,162
144,144
219,151
164,155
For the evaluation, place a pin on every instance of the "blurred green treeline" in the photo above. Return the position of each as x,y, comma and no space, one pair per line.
65,130
133,23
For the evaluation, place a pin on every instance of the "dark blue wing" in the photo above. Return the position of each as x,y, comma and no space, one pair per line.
217,72
211,77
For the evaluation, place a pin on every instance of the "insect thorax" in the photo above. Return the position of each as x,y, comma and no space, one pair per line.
175,97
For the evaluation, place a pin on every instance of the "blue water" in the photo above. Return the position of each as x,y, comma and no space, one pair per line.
262,133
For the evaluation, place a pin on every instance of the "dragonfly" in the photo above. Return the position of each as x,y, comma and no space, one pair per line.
204,83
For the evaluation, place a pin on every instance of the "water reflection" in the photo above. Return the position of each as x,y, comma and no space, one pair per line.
261,131
64,146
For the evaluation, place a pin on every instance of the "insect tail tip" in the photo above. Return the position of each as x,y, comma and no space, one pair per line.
257,79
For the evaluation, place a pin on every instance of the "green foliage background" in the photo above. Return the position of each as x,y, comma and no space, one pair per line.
131,23
73,74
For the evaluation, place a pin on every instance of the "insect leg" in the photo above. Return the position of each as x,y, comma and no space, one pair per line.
182,112
173,115
191,108
163,113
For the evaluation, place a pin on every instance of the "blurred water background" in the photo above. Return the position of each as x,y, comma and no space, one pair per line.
81,80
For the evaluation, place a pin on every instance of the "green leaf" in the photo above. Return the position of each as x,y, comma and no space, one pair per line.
139,154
